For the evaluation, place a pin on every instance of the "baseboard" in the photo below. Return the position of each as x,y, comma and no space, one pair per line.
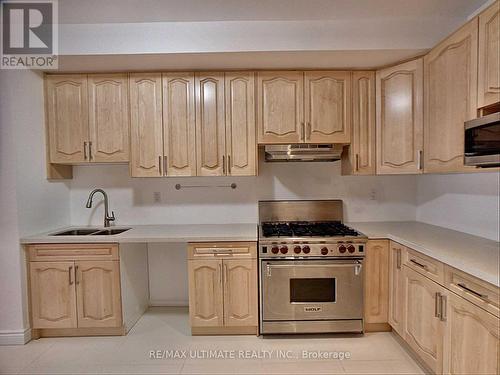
19,337
167,303
411,353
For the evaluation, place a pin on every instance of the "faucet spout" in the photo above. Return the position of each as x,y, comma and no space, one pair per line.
107,218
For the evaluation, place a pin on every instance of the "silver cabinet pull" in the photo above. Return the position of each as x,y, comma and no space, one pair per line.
159,165
308,130
165,165
357,163
219,269
69,273
225,274
84,150
477,294
444,306
229,164
418,264
222,251
223,164
437,305
90,151
303,136
419,160
76,275
398,259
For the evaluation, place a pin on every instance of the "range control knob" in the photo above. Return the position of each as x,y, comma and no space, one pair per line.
342,249
306,249
297,249
324,251
351,249
284,249
275,249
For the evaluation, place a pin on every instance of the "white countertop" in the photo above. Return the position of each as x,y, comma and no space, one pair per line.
157,233
477,256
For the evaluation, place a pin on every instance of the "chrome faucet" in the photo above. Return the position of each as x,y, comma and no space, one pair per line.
107,218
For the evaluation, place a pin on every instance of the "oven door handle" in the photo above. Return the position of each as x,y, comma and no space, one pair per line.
356,265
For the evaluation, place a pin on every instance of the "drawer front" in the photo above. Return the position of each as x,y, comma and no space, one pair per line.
222,250
431,268
64,252
477,291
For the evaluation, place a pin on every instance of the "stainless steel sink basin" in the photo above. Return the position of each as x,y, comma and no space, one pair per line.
110,232
91,232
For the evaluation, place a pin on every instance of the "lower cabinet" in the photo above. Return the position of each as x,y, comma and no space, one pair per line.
223,288
376,285
69,292
396,287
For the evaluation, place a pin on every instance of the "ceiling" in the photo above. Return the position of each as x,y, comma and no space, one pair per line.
134,11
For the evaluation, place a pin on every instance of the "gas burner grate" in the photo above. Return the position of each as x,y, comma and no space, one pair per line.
307,229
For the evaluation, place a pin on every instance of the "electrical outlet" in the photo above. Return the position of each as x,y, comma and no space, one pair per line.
157,197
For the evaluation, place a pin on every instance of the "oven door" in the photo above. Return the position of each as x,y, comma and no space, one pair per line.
312,289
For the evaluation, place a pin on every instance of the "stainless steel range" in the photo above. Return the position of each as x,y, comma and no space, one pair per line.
311,268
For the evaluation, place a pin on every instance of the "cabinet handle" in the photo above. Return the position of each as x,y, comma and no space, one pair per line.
76,275
159,165
225,275
229,164
308,130
398,259
443,307
90,151
419,159
219,269
165,165
223,164
84,150
69,273
418,264
222,251
477,294
437,305
303,136
357,163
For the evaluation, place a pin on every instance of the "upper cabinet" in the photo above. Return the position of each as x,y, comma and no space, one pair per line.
489,57
67,118
450,80
87,118
327,107
280,111
146,125
400,118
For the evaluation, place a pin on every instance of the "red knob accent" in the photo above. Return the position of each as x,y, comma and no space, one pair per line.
284,250
306,249
324,251
351,249
297,249
275,250
342,249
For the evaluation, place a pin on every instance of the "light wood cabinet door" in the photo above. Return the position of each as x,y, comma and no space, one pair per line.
280,107
376,288
179,140
362,149
489,56
423,328
53,297
67,117
471,343
205,293
327,107
396,288
240,292
400,118
146,130
108,118
210,124
241,146
450,82
98,293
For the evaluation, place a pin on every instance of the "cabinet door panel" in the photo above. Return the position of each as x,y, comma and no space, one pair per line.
376,286
489,56
146,128
205,293
280,117
423,329
109,117
396,288
240,292
53,298
179,124
400,118
241,146
67,115
210,124
472,337
450,99
327,104
98,294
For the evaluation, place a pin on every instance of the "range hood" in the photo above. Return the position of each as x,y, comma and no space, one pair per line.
303,152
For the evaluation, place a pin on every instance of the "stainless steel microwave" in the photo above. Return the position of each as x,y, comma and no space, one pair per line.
482,141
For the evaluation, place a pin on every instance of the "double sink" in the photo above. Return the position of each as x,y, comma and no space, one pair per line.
91,232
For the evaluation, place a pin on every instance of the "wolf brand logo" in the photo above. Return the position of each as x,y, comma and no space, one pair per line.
29,34
312,309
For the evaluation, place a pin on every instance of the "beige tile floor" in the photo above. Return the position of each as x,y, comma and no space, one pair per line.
168,329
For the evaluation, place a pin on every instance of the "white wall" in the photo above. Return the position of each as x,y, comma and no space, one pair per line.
29,203
464,202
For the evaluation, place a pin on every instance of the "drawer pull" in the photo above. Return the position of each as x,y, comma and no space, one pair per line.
418,264
69,273
76,275
223,251
398,259
443,307
477,294
437,305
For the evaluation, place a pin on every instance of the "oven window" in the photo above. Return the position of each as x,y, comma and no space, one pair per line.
312,290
